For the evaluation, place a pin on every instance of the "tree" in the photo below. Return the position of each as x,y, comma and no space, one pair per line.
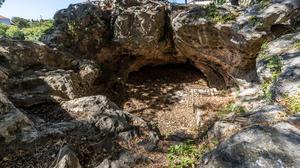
37,29
3,29
1,2
20,22
14,32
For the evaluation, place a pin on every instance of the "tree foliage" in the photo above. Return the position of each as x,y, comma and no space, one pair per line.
36,29
20,22
26,29
1,2
15,33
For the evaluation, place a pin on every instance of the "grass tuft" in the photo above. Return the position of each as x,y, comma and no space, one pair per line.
253,20
264,3
214,15
292,103
188,154
297,45
231,108
273,63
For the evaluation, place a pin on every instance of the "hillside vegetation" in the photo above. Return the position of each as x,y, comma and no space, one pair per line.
23,29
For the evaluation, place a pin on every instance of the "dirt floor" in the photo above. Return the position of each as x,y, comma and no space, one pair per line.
167,95
162,94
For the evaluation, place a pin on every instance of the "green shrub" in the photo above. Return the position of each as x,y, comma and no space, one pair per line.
274,64
253,20
264,3
264,46
187,154
292,103
219,2
214,15
3,29
183,155
20,22
263,51
267,90
35,32
15,33
297,45
2,33
295,22
231,108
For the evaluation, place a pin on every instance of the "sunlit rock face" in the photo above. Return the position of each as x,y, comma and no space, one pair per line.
129,35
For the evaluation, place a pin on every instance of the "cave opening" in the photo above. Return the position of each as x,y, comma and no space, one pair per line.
162,94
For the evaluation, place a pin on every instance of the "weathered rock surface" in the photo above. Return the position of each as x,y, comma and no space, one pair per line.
43,103
100,112
284,54
84,25
125,160
258,146
14,124
222,130
156,33
51,95
17,56
66,158
274,145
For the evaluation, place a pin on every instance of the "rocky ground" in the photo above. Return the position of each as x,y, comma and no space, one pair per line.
126,85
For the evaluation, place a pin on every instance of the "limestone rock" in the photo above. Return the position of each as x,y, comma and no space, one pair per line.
66,159
258,146
17,56
268,114
125,159
222,130
14,125
132,34
82,28
135,32
283,53
99,111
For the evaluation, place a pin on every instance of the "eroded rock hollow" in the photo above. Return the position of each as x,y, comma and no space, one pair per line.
62,99
131,35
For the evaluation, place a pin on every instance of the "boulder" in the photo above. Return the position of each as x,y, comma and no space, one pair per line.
15,126
17,56
223,130
82,29
279,65
258,146
98,111
126,159
142,31
66,159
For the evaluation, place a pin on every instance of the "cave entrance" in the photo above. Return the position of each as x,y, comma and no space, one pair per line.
162,94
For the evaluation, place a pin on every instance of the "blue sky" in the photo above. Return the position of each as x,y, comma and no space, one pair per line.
36,9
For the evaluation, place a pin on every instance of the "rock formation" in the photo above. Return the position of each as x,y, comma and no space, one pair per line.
157,34
52,92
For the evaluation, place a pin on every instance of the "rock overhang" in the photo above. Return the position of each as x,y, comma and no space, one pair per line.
132,34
